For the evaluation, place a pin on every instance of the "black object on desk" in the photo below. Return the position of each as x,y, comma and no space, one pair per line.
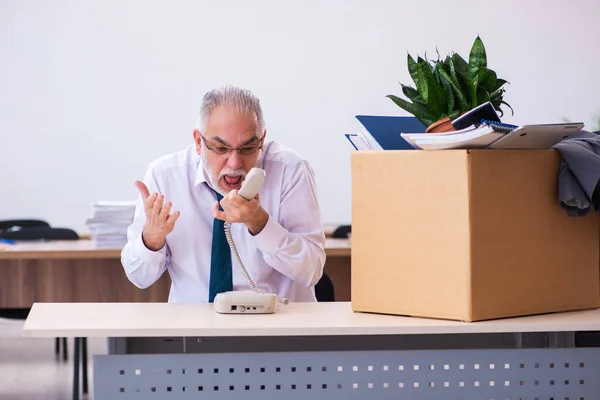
342,232
33,229
324,289
473,117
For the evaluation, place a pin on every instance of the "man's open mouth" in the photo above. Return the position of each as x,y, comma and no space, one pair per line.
232,181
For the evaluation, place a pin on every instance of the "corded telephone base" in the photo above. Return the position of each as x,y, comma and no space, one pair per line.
245,302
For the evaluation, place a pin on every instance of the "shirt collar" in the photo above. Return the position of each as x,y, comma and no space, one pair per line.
201,174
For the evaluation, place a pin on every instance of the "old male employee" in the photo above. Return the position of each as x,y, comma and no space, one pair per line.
187,196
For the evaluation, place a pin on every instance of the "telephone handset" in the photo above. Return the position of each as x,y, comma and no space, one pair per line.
254,301
252,183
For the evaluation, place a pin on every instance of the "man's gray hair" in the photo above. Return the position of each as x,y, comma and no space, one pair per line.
241,99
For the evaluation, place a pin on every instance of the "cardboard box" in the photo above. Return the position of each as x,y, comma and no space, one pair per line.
468,235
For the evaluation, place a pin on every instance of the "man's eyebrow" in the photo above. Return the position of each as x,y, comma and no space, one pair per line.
252,140
218,139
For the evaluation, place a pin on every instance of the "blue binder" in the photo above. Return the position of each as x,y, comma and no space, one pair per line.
386,130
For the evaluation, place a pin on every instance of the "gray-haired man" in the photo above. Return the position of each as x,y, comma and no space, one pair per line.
178,221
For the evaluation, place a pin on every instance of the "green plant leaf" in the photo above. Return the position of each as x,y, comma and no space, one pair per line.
498,85
461,69
446,65
477,57
498,107
412,94
453,75
447,90
423,71
454,114
457,87
465,86
431,90
489,82
434,71
483,96
460,97
473,90
452,69
460,66
477,85
497,95
496,104
412,69
418,110
508,105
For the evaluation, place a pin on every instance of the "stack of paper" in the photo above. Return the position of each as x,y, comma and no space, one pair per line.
109,221
362,141
468,138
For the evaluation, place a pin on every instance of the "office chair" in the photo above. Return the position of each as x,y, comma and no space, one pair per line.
324,289
342,232
39,233
34,229
23,224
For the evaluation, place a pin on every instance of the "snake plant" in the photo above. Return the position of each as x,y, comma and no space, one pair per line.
449,87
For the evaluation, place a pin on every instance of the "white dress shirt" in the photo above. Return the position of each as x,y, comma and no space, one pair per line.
285,258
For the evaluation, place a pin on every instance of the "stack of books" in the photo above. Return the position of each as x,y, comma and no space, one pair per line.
472,137
407,133
109,221
495,135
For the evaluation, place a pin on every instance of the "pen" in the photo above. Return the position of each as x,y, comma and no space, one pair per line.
6,241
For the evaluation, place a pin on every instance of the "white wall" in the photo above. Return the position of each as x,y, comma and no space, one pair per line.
91,91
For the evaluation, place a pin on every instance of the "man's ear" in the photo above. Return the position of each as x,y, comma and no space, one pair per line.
198,141
264,135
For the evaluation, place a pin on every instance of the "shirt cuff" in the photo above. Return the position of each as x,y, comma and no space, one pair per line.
271,237
147,255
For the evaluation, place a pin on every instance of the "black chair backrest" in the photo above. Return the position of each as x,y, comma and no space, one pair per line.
23,223
324,289
33,229
342,232
41,234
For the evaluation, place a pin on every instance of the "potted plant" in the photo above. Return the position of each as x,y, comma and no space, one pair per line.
450,87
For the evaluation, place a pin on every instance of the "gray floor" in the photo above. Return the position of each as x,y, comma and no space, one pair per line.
30,370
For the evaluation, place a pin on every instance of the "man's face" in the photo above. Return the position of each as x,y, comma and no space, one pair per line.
226,130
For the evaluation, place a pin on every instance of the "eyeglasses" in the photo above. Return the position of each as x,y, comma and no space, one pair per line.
243,151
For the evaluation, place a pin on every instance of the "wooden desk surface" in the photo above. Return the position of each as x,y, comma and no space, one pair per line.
78,271
295,319
86,249
327,228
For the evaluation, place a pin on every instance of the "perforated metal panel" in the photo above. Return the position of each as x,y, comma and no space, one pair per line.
549,374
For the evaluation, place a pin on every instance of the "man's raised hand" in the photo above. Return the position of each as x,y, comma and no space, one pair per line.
159,221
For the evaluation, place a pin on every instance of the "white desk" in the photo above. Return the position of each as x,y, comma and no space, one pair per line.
305,319
323,350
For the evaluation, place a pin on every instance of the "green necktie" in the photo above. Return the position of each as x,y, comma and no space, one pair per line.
221,279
